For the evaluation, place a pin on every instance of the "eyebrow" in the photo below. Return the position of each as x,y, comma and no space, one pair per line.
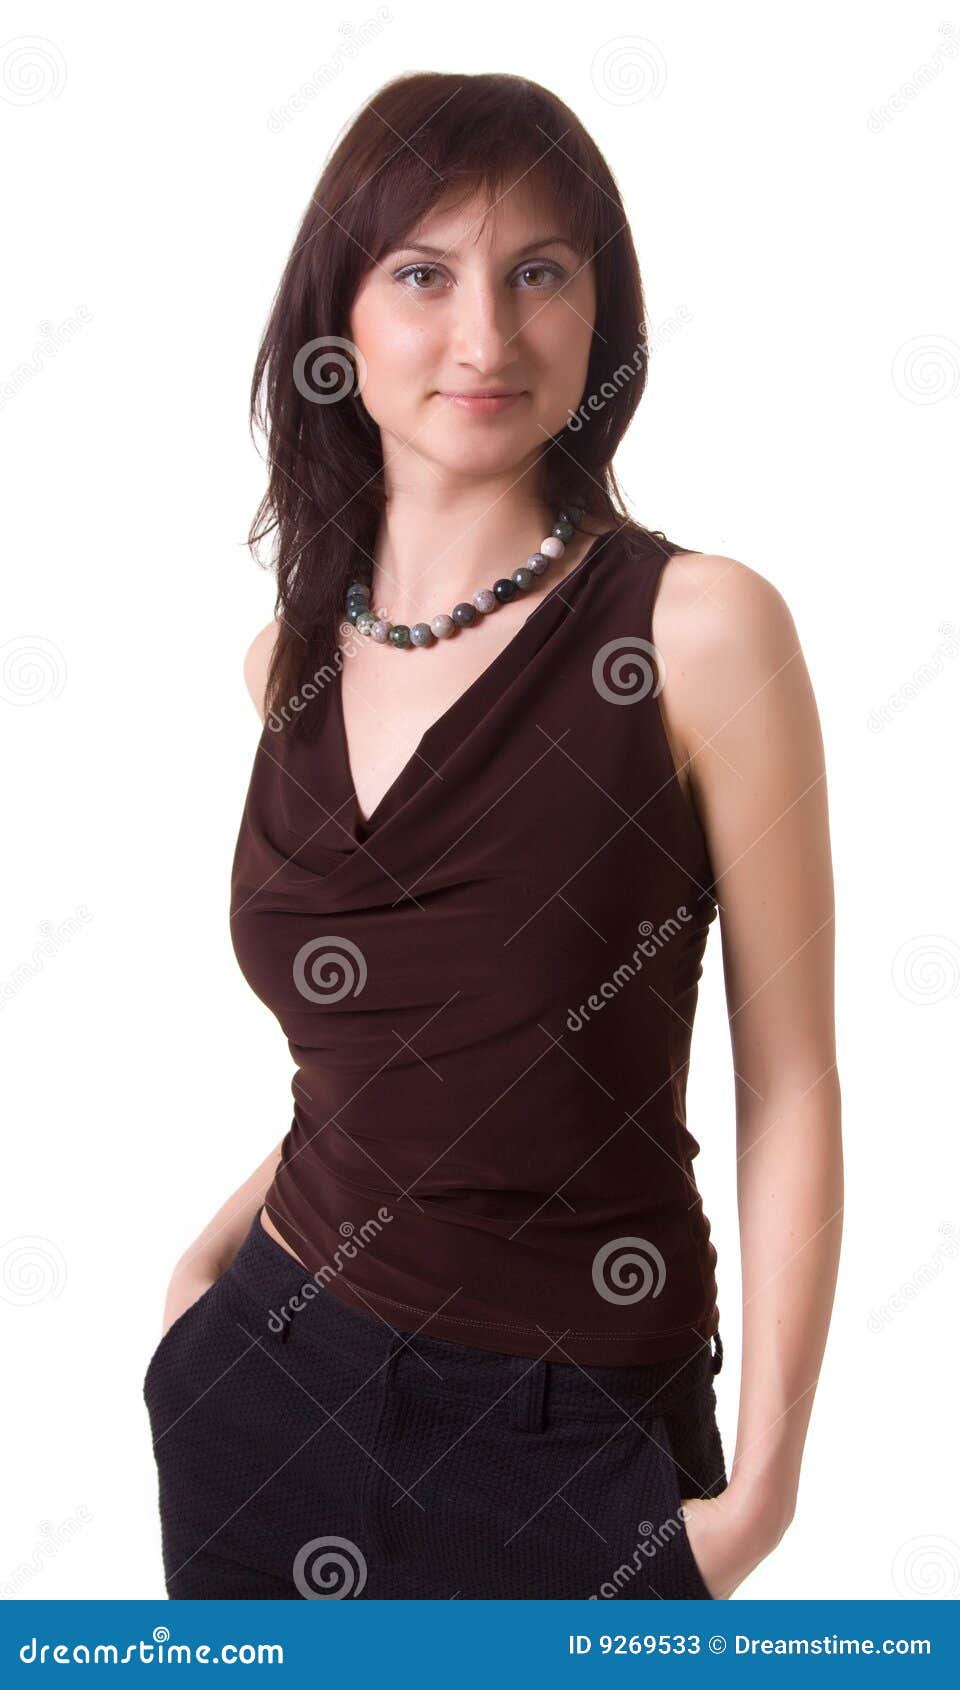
450,252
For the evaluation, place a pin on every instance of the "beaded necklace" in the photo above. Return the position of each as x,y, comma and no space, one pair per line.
463,615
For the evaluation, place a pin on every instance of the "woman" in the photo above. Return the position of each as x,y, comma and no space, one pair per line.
457,1334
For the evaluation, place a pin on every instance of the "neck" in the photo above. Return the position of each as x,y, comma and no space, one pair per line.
434,551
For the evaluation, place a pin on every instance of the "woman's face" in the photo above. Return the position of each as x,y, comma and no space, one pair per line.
501,300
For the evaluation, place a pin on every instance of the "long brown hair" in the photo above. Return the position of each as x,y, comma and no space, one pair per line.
418,137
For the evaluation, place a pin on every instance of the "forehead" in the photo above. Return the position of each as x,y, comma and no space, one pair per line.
493,219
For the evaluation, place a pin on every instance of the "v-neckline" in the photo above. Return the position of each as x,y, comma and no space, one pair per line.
362,827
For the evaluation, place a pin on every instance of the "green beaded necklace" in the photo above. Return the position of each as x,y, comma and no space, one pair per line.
463,615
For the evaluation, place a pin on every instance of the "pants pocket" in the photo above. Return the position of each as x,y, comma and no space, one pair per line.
684,1579
174,1331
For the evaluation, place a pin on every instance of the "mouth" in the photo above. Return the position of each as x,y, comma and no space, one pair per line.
485,402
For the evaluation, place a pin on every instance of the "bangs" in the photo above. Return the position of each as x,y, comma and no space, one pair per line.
478,141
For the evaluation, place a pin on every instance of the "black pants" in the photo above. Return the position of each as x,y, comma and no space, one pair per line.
320,1453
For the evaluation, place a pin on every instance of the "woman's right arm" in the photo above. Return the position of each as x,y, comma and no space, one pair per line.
211,1254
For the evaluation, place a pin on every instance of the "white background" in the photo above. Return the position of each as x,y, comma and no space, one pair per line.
791,182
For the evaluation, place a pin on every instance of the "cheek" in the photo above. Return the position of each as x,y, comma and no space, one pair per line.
397,347
559,341
391,333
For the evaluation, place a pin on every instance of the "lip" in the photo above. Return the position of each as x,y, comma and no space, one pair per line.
487,403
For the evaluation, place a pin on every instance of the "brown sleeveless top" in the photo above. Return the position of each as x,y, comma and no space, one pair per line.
489,991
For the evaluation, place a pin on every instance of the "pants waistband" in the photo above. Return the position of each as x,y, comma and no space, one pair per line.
530,1390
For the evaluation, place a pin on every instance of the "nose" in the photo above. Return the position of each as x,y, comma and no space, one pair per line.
484,329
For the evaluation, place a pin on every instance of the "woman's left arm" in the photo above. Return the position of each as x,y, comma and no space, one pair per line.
741,709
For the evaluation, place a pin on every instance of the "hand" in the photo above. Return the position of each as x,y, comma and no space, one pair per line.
728,1538
186,1287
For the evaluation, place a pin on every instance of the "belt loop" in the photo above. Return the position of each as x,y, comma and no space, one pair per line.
718,1352
528,1396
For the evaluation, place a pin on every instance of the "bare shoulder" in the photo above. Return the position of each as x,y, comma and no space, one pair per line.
721,631
708,606
257,663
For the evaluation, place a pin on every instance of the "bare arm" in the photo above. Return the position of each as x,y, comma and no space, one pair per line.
742,710
211,1254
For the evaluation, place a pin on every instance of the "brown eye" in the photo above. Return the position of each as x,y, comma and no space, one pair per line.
416,270
550,271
